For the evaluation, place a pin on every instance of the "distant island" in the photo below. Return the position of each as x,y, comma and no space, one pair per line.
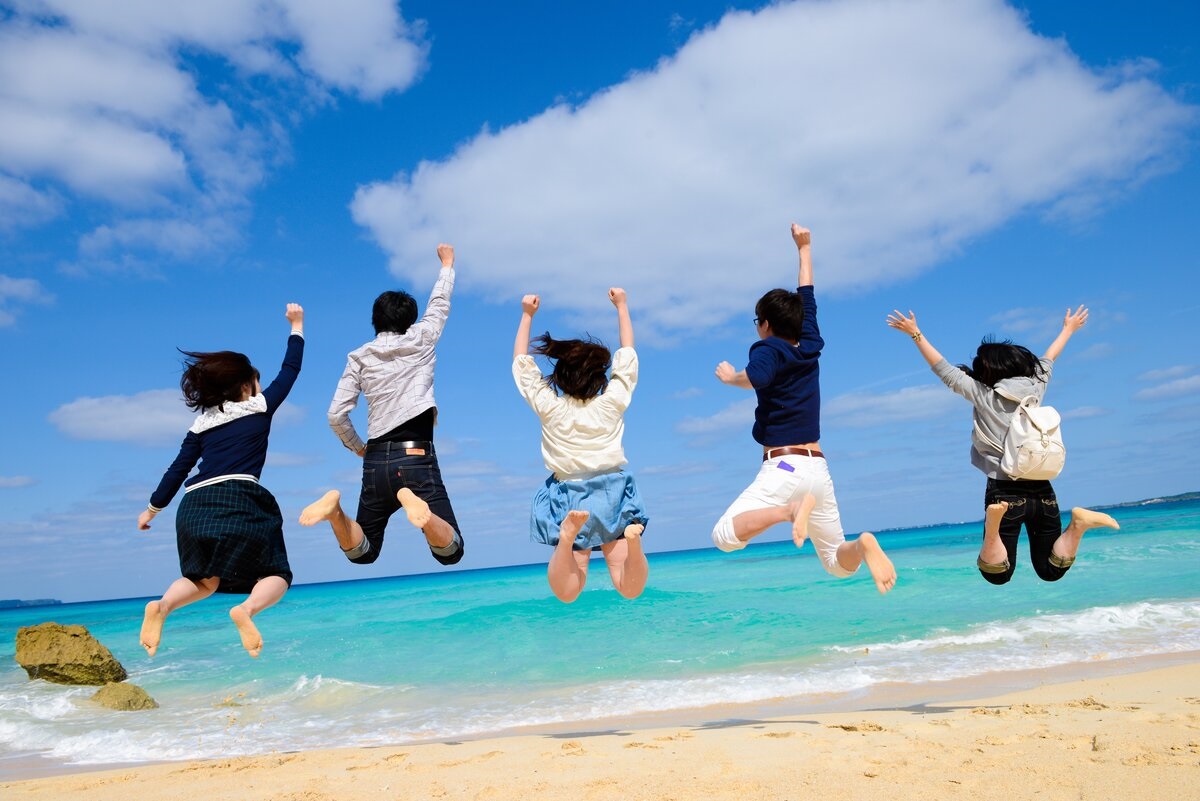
1185,496
14,603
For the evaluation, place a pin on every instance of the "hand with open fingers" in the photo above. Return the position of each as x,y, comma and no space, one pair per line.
294,313
907,324
530,304
616,295
802,236
144,520
725,372
446,254
1077,319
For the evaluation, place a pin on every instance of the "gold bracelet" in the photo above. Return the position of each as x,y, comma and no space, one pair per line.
917,337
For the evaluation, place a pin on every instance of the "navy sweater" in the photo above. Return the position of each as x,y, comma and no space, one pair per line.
238,447
786,379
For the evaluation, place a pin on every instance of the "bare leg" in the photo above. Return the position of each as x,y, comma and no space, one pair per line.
438,533
567,571
866,549
627,565
749,525
348,532
1067,544
182,592
266,593
993,551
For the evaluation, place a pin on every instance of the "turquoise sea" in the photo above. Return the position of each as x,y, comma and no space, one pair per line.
446,656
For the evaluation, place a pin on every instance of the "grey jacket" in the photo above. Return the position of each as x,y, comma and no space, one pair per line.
992,410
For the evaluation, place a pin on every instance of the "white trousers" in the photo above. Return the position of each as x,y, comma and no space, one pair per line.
781,481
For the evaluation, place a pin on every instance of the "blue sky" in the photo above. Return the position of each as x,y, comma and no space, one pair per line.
171,174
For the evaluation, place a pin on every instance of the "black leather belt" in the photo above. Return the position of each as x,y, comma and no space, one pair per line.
407,447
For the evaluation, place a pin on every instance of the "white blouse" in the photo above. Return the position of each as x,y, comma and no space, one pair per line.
580,438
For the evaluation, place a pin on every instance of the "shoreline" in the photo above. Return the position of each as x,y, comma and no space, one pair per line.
906,705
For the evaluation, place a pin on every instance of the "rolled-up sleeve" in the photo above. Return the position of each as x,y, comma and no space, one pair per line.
345,398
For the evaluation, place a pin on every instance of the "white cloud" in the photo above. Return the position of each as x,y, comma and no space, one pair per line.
15,482
1171,389
1166,373
19,291
862,409
100,101
154,417
895,130
1085,412
735,416
687,394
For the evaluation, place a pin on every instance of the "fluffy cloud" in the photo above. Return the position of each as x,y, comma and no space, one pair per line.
18,291
97,101
735,416
156,417
862,409
1165,373
1171,389
895,130
16,482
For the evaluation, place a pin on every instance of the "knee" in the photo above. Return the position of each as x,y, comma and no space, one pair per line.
364,553
567,596
724,537
1049,572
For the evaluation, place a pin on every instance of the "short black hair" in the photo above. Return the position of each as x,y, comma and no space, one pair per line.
996,361
784,310
394,311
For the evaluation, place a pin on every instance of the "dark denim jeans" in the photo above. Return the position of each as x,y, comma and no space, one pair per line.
1034,504
387,470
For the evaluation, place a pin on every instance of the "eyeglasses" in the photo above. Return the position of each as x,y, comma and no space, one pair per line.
757,320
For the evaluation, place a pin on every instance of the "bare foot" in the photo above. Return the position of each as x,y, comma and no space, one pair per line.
152,624
572,524
416,509
993,551
800,510
251,639
322,509
633,531
880,566
1067,544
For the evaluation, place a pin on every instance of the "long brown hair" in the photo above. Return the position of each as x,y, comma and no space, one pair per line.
580,365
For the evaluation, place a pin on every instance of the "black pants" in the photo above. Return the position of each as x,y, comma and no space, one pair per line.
1034,504
387,470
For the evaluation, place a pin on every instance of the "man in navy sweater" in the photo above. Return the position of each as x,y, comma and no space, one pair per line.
793,485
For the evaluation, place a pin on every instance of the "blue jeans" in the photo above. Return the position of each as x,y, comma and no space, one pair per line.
1034,504
387,470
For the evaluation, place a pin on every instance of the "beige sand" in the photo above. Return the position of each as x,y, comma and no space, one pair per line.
1120,738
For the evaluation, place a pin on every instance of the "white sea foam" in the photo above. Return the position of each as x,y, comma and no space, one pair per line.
318,711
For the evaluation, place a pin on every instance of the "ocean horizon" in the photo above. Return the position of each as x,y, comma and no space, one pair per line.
481,651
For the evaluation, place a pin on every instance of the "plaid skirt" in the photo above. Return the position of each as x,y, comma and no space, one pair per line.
234,531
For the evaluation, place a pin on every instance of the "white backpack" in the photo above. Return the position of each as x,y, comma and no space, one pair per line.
1033,446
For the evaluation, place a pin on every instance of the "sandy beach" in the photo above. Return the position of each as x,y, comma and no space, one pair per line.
1132,736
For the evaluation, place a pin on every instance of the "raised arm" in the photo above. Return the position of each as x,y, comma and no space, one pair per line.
624,324
803,239
908,325
1072,322
529,307
293,358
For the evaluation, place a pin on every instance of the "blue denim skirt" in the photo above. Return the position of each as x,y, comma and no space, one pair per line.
611,499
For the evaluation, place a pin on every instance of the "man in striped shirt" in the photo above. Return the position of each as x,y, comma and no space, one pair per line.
400,468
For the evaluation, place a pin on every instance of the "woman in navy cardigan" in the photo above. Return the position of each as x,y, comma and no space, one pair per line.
228,528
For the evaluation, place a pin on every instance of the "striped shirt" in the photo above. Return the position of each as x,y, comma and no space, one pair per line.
394,371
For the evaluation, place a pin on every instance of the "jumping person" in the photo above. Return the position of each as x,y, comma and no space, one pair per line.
1002,371
589,502
400,467
228,528
793,484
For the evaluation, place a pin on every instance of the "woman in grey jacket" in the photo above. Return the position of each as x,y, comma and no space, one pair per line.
1000,372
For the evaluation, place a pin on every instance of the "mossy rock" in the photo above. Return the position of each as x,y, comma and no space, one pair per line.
66,655
124,697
